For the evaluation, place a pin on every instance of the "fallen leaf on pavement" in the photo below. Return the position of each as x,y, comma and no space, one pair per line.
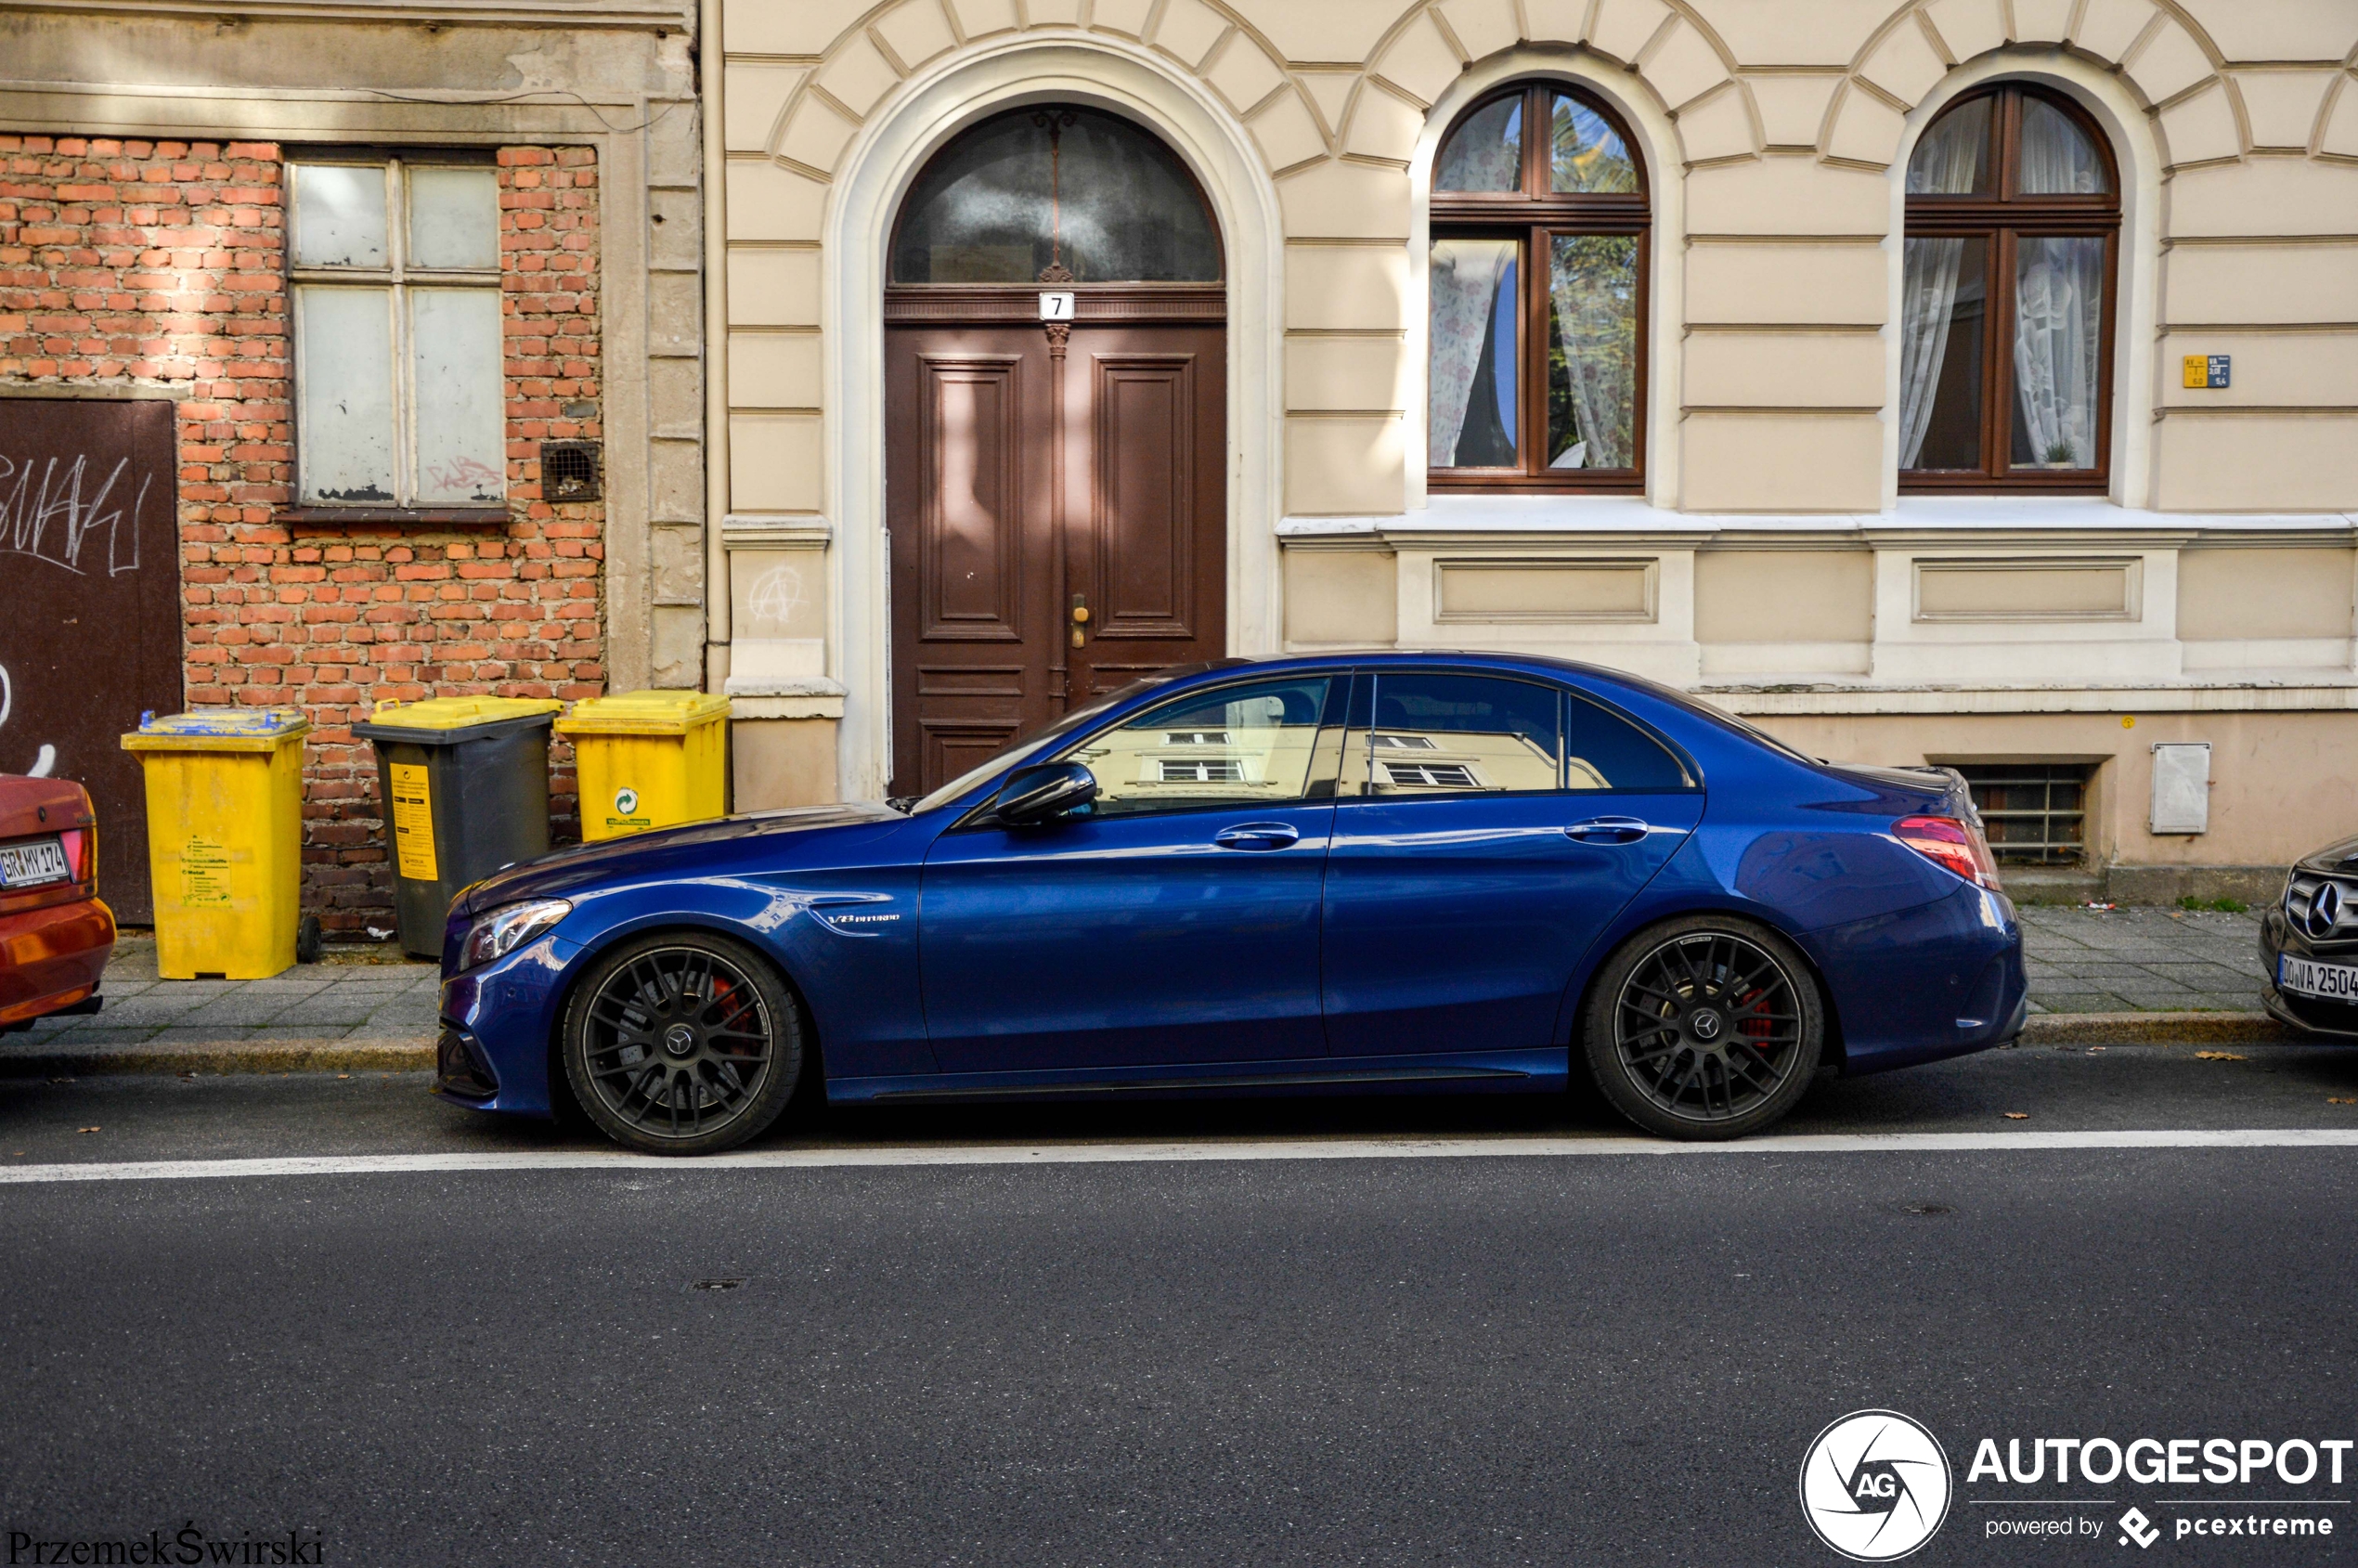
2017,1116
343,1075
2340,1100
86,1129
2095,1050
2217,1056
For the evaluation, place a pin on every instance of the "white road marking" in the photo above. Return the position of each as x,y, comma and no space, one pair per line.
1117,1153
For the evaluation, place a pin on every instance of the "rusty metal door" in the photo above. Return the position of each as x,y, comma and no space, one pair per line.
90,635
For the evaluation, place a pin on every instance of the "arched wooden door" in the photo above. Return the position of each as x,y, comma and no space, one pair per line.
1055,483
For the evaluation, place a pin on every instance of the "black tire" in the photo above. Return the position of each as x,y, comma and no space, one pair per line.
310,942
1705,1026
682,1042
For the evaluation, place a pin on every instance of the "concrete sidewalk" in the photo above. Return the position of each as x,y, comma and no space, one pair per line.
2095,975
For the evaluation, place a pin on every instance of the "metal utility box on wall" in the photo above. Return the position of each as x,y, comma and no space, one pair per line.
2182,786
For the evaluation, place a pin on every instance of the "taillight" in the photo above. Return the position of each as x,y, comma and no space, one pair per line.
1953,844
81,845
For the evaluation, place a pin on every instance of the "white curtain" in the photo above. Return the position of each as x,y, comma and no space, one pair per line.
1947,161
1928,304
1593,282
2057,157
2058,322
1465,284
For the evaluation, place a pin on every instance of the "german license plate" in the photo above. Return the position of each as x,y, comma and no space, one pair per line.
2307,976
30,865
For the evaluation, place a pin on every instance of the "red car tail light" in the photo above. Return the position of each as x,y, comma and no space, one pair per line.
1953,844
81,845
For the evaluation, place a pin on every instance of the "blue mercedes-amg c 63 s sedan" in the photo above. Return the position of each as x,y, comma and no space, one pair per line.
1354,873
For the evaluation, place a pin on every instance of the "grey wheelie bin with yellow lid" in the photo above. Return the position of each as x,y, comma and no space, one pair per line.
465,786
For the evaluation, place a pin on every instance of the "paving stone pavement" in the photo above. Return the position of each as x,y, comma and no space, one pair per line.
354,1007
2142,960
350,1000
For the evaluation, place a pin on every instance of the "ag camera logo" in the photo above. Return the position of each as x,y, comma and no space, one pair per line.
1874,1486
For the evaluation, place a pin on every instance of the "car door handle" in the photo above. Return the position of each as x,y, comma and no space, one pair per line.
1608,830
1257,836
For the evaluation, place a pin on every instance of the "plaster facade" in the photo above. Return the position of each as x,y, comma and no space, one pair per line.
1772,564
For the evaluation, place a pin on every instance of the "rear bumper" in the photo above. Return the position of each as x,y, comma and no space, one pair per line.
52,958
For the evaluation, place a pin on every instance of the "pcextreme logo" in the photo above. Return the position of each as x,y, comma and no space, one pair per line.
1874,1486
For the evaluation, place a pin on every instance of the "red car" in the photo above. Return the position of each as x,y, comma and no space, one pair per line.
55,934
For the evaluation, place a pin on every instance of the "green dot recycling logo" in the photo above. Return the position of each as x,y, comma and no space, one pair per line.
625,802
1874,1486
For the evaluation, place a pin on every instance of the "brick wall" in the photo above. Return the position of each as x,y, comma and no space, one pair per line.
163,262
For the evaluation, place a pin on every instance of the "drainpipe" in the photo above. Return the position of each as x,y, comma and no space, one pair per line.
716,352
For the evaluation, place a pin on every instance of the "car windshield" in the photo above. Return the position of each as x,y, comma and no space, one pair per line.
1039,740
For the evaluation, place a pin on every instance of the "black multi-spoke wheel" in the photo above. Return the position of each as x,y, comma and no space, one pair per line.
1704,1028
683,1044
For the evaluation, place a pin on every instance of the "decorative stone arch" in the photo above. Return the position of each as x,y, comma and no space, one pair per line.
1659,144
2126,56
2136,304
870,178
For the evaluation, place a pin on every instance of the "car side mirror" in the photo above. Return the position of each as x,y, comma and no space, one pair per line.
1034,797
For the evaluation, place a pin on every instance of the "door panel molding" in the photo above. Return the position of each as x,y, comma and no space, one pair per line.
1143,504
971,511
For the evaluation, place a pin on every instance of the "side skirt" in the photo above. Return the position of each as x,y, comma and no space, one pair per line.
1476,1071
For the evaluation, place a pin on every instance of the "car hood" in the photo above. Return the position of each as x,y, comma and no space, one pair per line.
554,874
2342,857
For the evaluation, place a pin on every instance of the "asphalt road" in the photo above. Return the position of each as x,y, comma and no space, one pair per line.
1558,1358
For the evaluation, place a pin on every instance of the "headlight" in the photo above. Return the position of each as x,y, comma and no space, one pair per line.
502,931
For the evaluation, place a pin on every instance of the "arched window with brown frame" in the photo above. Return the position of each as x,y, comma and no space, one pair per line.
2006,298
1538,297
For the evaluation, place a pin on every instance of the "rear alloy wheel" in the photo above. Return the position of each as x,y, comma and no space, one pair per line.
683,1044
1704,1028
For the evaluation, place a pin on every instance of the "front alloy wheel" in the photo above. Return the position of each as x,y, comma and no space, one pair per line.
683,1044
1704,1028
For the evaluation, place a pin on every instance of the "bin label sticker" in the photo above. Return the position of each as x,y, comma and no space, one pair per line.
625,816
204,873
413,823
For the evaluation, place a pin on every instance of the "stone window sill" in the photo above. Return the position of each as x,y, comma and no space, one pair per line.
395,517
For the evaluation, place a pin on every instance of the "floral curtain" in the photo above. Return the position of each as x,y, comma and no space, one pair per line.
1465,274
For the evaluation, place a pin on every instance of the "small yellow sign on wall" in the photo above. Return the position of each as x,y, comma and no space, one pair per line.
2208,370
413,823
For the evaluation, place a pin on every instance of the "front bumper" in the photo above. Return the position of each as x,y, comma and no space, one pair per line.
499,1026
2311,1014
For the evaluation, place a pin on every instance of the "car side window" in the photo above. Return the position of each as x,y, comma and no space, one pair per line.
1605,751
1454,734
1234,746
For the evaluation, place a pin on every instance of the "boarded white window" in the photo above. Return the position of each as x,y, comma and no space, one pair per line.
399,399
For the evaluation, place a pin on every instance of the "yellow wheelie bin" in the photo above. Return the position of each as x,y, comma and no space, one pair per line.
648,759
224,840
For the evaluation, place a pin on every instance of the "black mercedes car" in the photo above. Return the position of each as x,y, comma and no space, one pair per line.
2310,943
